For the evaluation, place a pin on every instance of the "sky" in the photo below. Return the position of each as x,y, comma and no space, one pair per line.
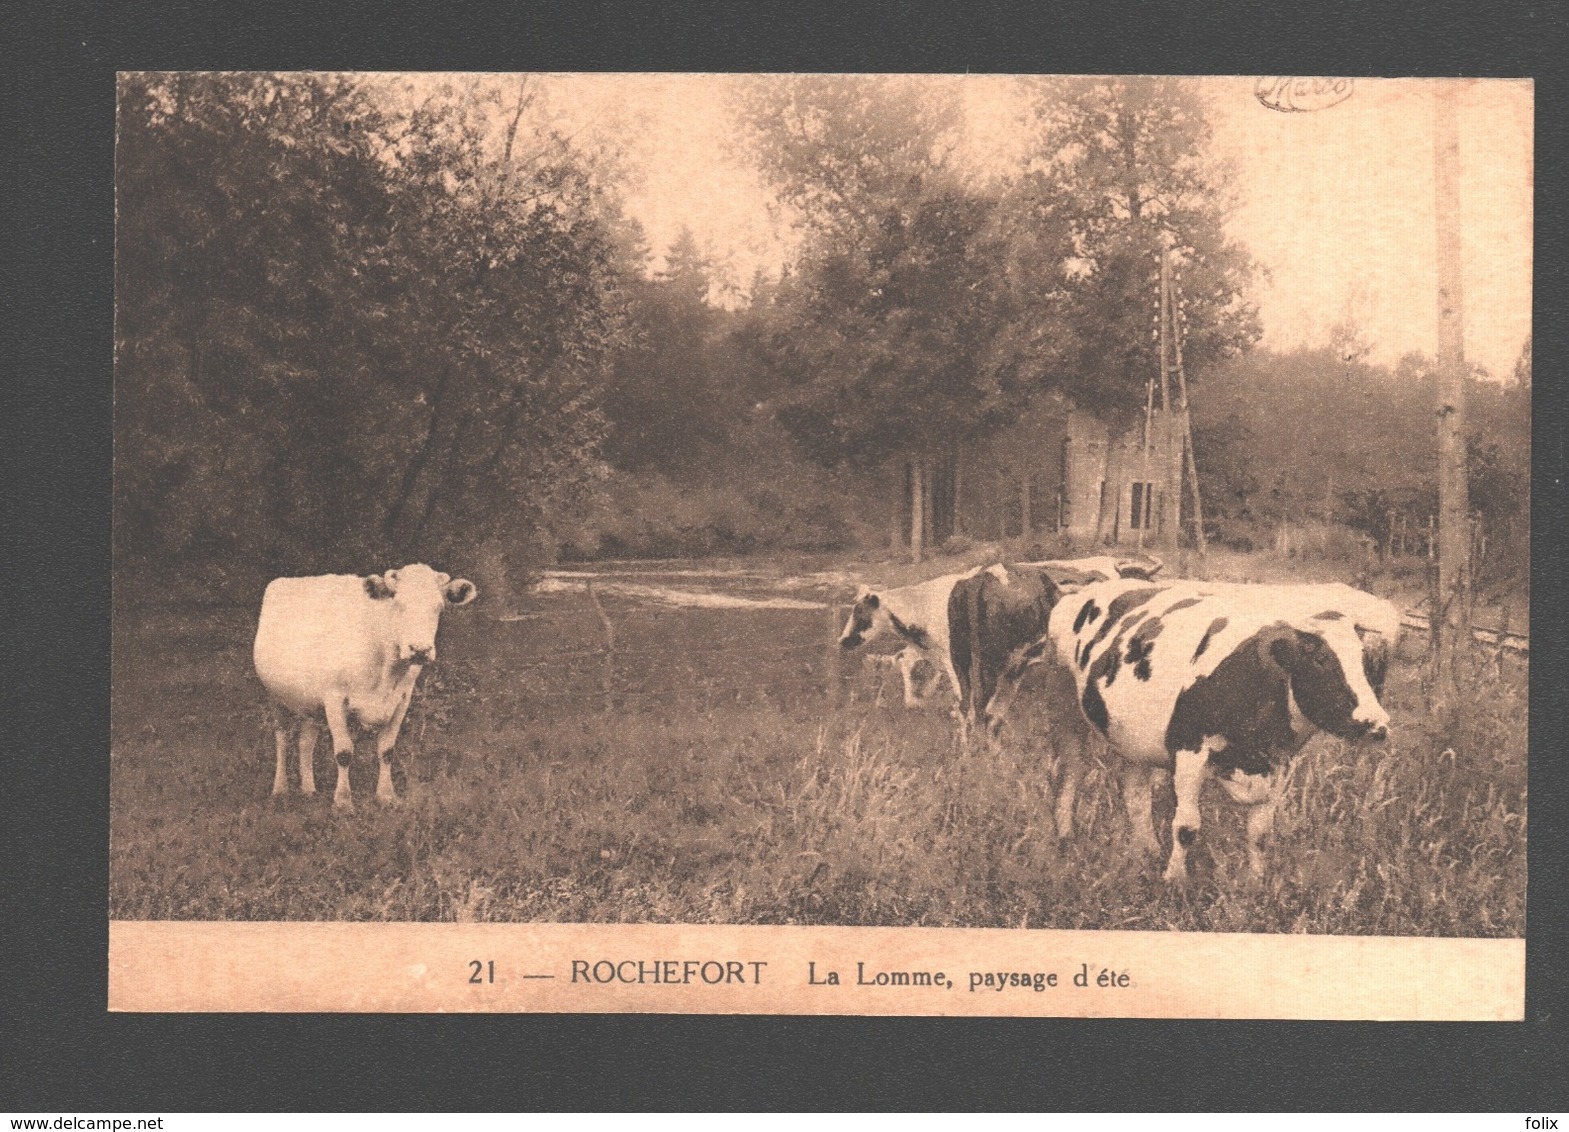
1336,204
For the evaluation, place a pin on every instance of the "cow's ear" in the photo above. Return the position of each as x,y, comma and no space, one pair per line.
376,585
870,601
461,591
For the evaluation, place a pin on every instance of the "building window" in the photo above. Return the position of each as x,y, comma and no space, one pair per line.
1142,505
1040,519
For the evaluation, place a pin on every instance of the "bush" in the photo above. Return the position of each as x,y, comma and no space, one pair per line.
646,515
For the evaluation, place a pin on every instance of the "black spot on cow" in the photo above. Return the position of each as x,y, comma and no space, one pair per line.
1107,665
1215,626
1088,613
1244,701
1142,645
1120,607
912,633
376,586
1186,836
344,758
1185,603
1329,615
1095,707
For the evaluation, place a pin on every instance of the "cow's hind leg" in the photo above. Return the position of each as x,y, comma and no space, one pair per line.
309,729
1071,756
1261,794
342,750
1192,768
280,734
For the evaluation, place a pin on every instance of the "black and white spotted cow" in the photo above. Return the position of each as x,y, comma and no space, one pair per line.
1194,680
916,615
997,621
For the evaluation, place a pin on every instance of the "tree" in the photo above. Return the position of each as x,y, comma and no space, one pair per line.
358,321
895,335
1118,166
670,398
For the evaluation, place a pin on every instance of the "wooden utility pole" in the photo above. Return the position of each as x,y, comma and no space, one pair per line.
1144,459
1449,626
1171,499
1185,438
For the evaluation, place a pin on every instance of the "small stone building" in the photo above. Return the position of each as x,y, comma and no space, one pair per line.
1049,474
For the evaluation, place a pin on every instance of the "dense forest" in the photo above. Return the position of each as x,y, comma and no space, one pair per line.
363,319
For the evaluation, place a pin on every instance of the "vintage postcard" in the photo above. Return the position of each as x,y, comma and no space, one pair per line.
821,544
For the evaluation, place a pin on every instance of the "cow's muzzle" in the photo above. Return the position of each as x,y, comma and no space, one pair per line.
850,641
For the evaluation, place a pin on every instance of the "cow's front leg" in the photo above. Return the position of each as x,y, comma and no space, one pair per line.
342,749
1192,768
1261,794
388,739
906,661
309,729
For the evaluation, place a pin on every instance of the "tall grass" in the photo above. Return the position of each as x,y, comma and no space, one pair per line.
783,810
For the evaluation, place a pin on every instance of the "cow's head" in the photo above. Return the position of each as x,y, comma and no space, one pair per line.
416,596
1328,681
865,620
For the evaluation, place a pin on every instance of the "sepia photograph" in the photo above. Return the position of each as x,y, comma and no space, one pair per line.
826,543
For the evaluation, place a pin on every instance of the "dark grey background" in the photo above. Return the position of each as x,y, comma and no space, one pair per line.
61,1052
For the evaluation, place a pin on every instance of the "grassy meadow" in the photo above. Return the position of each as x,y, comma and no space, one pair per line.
727,787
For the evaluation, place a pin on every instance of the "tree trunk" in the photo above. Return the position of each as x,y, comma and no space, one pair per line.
901,487
1025,518
960,526
918,509
1449,628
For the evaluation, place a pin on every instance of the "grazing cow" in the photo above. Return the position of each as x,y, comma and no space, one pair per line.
1201,680
351,649
997,626
917,615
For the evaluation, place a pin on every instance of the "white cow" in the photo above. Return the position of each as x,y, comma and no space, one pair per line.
350,648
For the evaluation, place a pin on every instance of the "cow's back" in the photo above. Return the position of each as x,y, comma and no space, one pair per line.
315,635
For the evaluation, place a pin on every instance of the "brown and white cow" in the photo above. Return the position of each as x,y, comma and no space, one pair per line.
1193,680
348,649
997,626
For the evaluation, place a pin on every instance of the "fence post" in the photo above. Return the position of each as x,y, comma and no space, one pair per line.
609,676
834,664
